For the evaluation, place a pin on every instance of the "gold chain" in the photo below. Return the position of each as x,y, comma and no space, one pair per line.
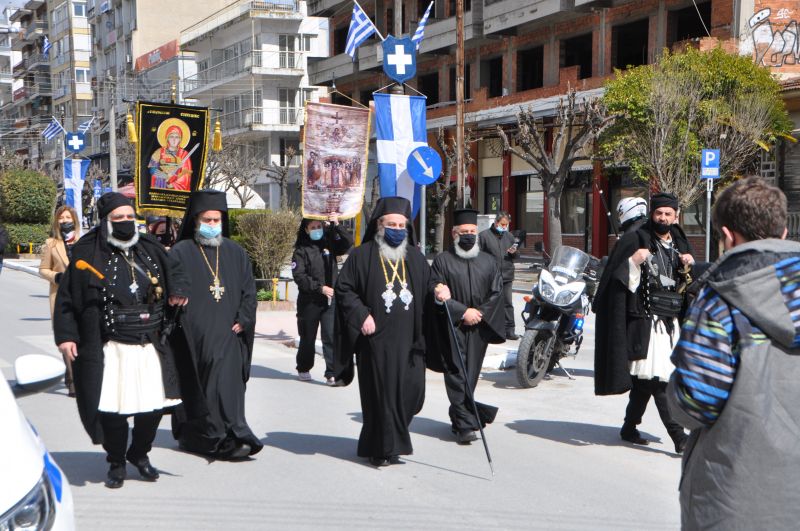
215,273
395,274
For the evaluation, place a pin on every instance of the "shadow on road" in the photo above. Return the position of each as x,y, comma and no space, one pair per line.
508,379
82,468
432,428
311,443
34,318
40,296
259,371
580,434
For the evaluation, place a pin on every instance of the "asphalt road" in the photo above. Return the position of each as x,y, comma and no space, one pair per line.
558,458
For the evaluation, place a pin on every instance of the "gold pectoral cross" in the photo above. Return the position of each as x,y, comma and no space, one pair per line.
216,290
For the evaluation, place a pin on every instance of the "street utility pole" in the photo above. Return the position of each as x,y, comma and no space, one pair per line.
460,199
112,136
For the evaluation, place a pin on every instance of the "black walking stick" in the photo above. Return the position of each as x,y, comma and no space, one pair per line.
467,386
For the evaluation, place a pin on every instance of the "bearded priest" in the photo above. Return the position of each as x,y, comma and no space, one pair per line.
380,296
218,331
469,282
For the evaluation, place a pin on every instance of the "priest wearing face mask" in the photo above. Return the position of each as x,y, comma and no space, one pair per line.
218,331
108,321
641,335
315,271
380,297
469,282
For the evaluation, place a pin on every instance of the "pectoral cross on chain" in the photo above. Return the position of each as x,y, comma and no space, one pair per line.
216,290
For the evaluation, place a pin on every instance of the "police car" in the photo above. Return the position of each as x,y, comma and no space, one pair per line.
34,492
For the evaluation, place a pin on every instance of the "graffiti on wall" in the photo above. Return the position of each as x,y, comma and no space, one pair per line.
775,41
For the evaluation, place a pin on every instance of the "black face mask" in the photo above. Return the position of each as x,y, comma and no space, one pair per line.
66,227
123,230
660,228
467,241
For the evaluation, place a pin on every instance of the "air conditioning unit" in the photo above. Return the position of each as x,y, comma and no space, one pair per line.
128,59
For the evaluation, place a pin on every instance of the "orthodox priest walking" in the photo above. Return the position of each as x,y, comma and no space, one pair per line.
218,330
638,307
469,282
109,314
380,296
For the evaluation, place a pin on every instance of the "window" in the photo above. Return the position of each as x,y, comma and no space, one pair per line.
629,44
306,43
82,75
84,108
429,86
340,39
79,9
685,24
577,51
286,143
492,76
530,68
530,205
287,101
493,199
286,47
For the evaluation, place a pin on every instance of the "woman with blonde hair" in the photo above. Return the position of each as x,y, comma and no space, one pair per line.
55,259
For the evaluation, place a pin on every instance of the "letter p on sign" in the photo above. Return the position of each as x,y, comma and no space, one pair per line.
709,164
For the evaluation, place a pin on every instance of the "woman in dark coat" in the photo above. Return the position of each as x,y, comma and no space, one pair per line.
315,269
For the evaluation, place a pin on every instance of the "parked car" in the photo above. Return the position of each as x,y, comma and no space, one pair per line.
34,492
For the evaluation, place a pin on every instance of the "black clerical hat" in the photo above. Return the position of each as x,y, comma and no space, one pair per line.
664,199
466,216
111,201
390,205
201,201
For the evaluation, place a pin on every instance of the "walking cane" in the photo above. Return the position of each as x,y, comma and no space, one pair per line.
470,397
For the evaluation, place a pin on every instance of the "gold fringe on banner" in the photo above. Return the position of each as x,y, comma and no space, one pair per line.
217,146
131,129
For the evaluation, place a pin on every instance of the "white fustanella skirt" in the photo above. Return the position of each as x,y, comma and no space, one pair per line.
132,380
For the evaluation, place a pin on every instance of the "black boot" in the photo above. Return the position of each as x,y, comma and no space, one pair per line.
116,475
680,443
146,470
632,435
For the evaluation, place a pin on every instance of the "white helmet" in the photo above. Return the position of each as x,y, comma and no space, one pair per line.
630,208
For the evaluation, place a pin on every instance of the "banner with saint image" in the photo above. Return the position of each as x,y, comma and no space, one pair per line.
335,145
170,155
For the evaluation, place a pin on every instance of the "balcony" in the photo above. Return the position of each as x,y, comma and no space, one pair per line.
323,71
278,10
505,15
441,34
5,73
323,8
285,119
264,63
31,61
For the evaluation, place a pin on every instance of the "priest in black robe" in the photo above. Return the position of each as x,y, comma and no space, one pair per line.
469,282
218,330
380,296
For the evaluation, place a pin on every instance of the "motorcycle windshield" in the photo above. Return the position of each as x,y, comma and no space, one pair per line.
568,262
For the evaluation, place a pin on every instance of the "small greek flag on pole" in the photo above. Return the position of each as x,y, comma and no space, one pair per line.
420,33
53,130
361,28
46,45
85,125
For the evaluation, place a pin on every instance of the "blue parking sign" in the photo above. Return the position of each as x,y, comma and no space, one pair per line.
709,164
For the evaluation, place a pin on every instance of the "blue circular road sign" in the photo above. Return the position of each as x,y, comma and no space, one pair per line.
424,165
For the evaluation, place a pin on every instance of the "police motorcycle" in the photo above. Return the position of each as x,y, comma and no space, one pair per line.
554,313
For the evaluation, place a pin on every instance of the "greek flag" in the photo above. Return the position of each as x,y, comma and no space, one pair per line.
53,130
361,27
420,33
400,129
46,45
85,126
74,174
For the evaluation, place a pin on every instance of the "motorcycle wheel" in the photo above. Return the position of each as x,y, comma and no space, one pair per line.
533,358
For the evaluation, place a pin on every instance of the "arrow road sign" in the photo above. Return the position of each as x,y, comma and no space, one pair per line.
709,165
424,165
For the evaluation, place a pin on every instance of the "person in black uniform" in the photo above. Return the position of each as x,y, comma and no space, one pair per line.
315,271
501,244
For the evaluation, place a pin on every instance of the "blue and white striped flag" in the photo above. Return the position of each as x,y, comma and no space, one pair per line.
400,129
420,33
82,128
74,174
361,28
46,45
53,130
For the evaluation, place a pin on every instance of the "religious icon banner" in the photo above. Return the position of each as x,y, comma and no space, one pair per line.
335,145
170,155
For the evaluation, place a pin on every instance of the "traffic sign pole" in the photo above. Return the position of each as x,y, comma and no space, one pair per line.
709,170
709,189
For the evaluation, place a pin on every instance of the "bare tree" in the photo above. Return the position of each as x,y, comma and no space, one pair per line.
282,174
235,169
442,189
575,127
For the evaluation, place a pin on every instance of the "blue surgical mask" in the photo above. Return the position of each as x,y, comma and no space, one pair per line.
209,232
500,229
394,237
316,234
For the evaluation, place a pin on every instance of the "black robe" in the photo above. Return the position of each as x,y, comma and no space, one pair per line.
622,325
391,365
221,358
78,317
474,283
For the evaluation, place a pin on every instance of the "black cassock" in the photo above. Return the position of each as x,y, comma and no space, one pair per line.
391,364
474,283
221,357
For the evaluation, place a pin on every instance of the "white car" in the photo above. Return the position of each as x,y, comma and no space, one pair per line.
34,492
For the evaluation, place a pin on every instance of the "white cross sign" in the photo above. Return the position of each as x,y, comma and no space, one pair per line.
75,141
400,59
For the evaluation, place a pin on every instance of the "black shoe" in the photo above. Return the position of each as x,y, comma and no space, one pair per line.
116,475
680,445
146,470
395,460
466,437
512,336
633,437
240,452
379,461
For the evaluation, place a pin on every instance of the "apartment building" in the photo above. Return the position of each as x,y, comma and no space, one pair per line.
526,53
8,59
252,67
